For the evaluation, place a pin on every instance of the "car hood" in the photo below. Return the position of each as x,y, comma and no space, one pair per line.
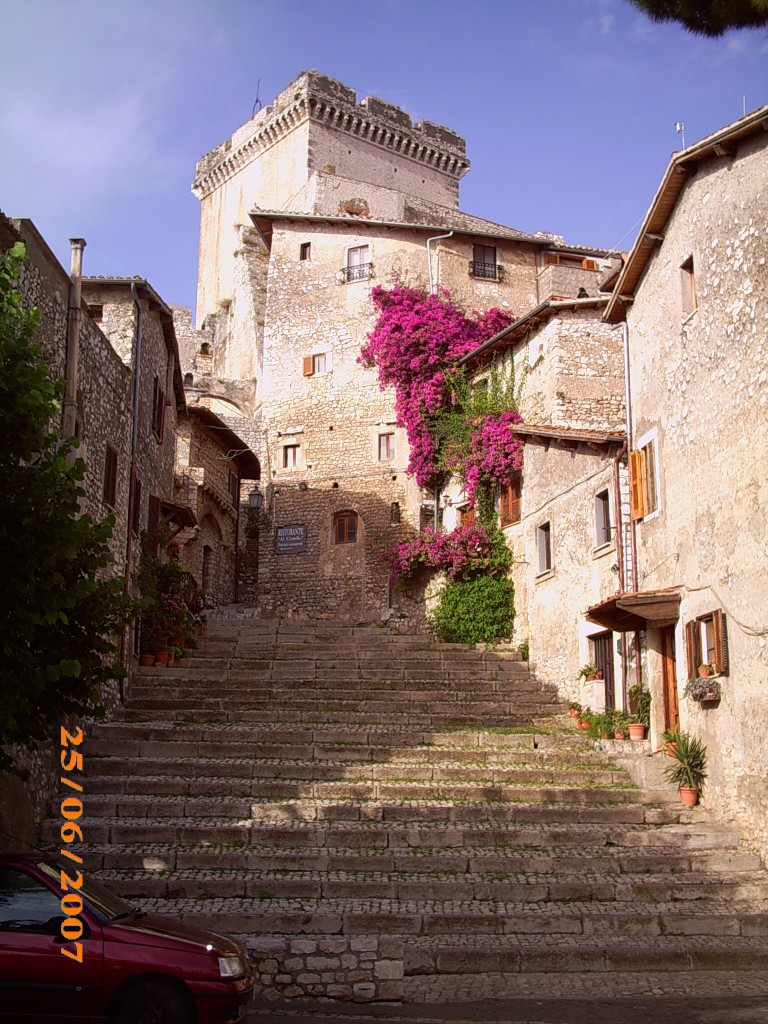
154,930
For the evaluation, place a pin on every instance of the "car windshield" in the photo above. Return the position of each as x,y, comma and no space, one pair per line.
99,899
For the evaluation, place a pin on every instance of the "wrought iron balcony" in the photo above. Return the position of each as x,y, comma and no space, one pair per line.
490,271
358,272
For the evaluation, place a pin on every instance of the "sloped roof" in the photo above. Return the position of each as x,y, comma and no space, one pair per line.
237,450
682,165
569,435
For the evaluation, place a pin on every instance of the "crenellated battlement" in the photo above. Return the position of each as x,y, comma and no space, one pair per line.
324,101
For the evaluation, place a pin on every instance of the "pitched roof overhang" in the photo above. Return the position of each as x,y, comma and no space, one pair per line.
237,451
181,515
545,434
464,224
626,613
681,167
533,318
157,304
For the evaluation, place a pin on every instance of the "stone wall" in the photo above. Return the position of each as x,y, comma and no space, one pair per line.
699,380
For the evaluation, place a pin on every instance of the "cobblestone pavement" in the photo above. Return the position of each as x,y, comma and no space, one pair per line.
656,1010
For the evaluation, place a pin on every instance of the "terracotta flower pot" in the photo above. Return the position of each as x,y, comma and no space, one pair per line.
618,734
147,660
571,712
688,797
161,658
704,671
636,731
582,724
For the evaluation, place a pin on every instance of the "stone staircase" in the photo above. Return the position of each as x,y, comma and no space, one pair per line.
384,817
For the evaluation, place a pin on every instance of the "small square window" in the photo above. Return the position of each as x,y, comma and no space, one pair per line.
304,251
358,266
291,456
386,447
483,262
318,363
602,519
544,547
345,528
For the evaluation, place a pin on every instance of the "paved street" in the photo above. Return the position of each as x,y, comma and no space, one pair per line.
644,1010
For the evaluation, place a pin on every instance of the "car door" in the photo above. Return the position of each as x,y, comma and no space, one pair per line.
36,979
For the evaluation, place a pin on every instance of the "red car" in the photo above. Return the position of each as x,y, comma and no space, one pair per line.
127,967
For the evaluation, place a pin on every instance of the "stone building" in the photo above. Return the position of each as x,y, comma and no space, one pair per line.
693,302
303,211
564,513
212,463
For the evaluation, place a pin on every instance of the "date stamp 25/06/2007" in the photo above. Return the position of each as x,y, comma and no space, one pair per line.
71,809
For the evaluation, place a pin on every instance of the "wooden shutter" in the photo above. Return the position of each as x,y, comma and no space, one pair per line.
110,477
308,365
721,642
637,483
692,648
153,525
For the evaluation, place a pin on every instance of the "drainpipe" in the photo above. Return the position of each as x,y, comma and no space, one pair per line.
435,238
632,523
620,559
69,421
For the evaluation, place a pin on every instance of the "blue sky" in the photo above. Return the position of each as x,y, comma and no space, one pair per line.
568,107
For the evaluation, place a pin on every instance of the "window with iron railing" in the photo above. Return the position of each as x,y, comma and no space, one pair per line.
359,266
483,262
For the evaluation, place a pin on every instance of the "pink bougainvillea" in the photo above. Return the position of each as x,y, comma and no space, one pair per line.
417,341
496,452
465,549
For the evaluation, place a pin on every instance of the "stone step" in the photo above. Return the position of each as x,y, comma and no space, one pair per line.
438,918
404,886
597,857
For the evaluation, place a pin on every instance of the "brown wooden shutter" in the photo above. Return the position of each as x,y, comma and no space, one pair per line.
691,648
516,500
110,477
721,642
308,365
136,517
153,525
637,484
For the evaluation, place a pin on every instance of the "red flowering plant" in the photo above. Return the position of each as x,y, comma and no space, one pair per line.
465,551
416,345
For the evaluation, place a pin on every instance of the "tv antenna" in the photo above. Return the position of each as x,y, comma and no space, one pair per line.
257,102
680,129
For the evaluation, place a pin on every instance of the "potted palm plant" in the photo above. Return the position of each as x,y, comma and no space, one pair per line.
688,767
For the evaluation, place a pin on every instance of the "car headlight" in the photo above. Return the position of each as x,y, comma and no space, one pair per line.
230,967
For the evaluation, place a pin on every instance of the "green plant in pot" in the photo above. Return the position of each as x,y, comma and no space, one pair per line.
588,671
688,767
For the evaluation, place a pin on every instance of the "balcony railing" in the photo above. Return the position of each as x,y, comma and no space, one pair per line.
359,272
490,271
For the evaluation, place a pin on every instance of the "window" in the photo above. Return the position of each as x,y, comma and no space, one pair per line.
153,525
544,547
706,642
345,528
510,501
136,507
110,477
394,513
315,364
602,519
158,410
483,262
467,516
291,456
386,447
688,287
233,486
26,905
359,265
304,250
569,259
97,313
643,478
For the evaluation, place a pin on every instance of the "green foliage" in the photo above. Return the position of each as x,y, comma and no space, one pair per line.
640,701
475,610
707,17
689,760
61,612
171,603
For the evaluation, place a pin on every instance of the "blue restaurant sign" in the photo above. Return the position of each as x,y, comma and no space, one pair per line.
290,540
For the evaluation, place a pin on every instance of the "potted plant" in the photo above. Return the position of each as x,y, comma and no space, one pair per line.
704,688
620,725
573,709
584,718
588,672
174,655
689,766
706,670
670,741
640,702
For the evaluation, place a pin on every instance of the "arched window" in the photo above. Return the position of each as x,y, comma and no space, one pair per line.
345,527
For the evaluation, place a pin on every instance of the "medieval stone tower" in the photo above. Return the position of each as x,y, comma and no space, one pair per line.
304,210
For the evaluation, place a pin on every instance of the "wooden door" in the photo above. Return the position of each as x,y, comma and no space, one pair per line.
603,648
669,676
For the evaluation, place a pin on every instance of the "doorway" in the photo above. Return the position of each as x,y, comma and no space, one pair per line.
602,645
